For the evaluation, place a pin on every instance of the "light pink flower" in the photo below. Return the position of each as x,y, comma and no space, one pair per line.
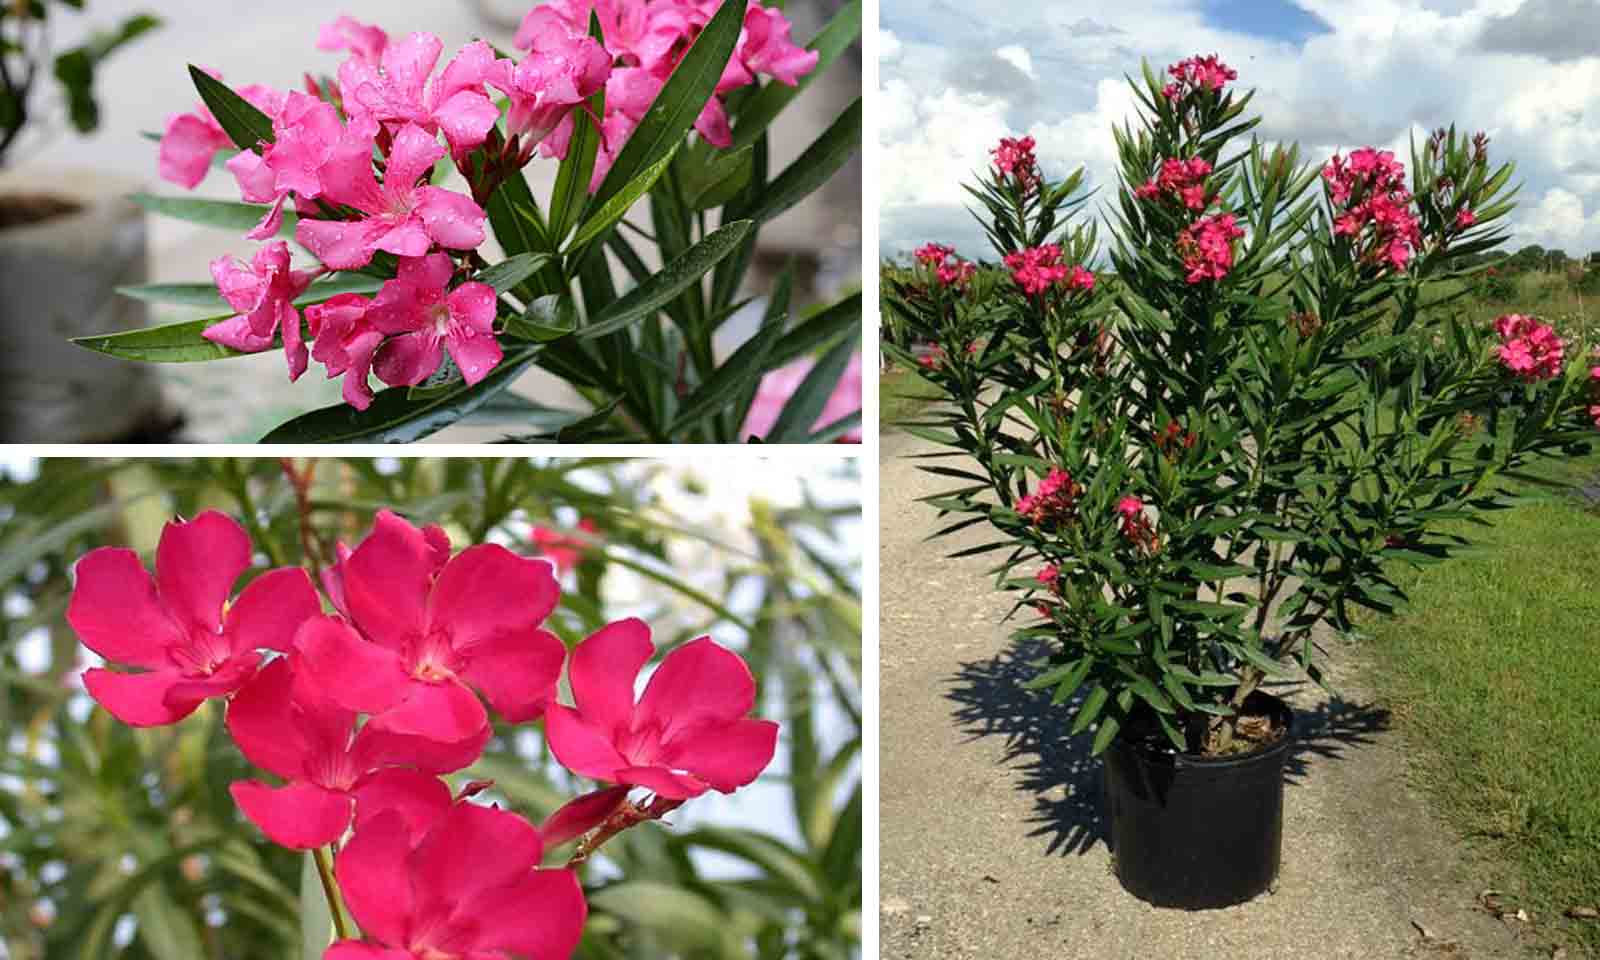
777,387
429,625
1530,349
766,50
396,91
563,69
425,318
690,731
465,885
180,627
364,42
289,728
263,292
403,218
345,343
305,130
191,140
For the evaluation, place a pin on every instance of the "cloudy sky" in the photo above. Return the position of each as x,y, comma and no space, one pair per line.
1331,74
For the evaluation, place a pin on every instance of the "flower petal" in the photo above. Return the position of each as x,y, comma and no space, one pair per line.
427,755
387,579
673,786
541,916
517,672
187,148
374,877
475,354
300,816
341,244
230,675
726,755
473,848
271,609
261,722
445,712
604,668
357,950
352,672
580,815
235,333
116,612
414,154
584,749
698,681
137,699
196,565
452,219
486,590
419,798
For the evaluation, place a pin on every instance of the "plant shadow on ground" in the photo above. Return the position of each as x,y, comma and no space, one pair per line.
991,699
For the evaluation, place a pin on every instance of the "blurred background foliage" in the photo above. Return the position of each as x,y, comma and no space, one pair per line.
123,843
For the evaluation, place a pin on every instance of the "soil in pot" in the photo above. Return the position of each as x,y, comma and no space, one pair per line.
1199,832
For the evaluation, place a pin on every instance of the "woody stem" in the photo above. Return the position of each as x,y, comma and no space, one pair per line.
626,815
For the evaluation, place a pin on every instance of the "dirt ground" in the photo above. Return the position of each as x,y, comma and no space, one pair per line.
992,840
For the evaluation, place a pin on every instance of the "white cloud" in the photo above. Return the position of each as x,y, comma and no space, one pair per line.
1384,70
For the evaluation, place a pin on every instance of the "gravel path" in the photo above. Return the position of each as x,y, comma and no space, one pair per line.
992,843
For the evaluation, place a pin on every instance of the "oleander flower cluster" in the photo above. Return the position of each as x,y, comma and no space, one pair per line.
948,269
1368,190
356,158
1529,348
355,703
1039,269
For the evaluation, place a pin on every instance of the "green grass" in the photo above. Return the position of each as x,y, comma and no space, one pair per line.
901,393
1496,680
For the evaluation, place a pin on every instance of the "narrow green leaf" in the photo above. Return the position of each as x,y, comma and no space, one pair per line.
818,330
212,213
508,274
167,343
616,208
572,178
166,931
514,216
665,286
815,167
245,125
743,368
805,405
395,418
681,99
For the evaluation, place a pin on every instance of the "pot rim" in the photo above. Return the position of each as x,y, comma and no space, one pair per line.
1275,704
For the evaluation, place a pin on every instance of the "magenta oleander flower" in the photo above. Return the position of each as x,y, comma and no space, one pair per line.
1047,574
180,627
1368,189
466,884
364,41
1054,499
563,69
1037,269
403,218
933,254
1198,73
427,628
1014,158
191,140
562,549
1130,507
1183,180
345,341
1207,247
1465,219
1528,348
396,90
689,732
424,319
288,727
263,292
777,387
957,275
305,132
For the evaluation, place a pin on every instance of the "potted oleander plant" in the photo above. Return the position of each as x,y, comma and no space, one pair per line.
1202,458
67,239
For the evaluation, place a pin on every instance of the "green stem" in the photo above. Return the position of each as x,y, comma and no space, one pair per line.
330,890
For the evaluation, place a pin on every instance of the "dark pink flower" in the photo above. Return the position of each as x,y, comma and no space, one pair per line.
290,728
1047,574
1372,206
933,254
403,218
1528,348
432,628
425,318
956,275
1198,73
1130,506
1037,269
1465,218
690,732
263,292
345,343
1207,247
465,886
775,389
562,549
180,627
1014,158
305,132
1053,500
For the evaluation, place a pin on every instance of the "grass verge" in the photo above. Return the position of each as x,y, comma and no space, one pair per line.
901,393
1497,675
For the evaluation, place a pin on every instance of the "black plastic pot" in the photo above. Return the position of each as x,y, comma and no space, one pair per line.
1195,832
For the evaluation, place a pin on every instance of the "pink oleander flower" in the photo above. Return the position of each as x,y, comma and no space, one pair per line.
1369,190
1037,269
957,275
403,218
689,732
629,94
426,628
263,292
1183,180
465,885
1047,574
1594,414
1014,158
1053,500
364,42
1198,73
1528,348
397,91
180,627
775,389
424,319
345,341
1080,279
288,727
191,140
563,69
562,549
306,130
766,49
1130,507
1207,247
1465,218
933,254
